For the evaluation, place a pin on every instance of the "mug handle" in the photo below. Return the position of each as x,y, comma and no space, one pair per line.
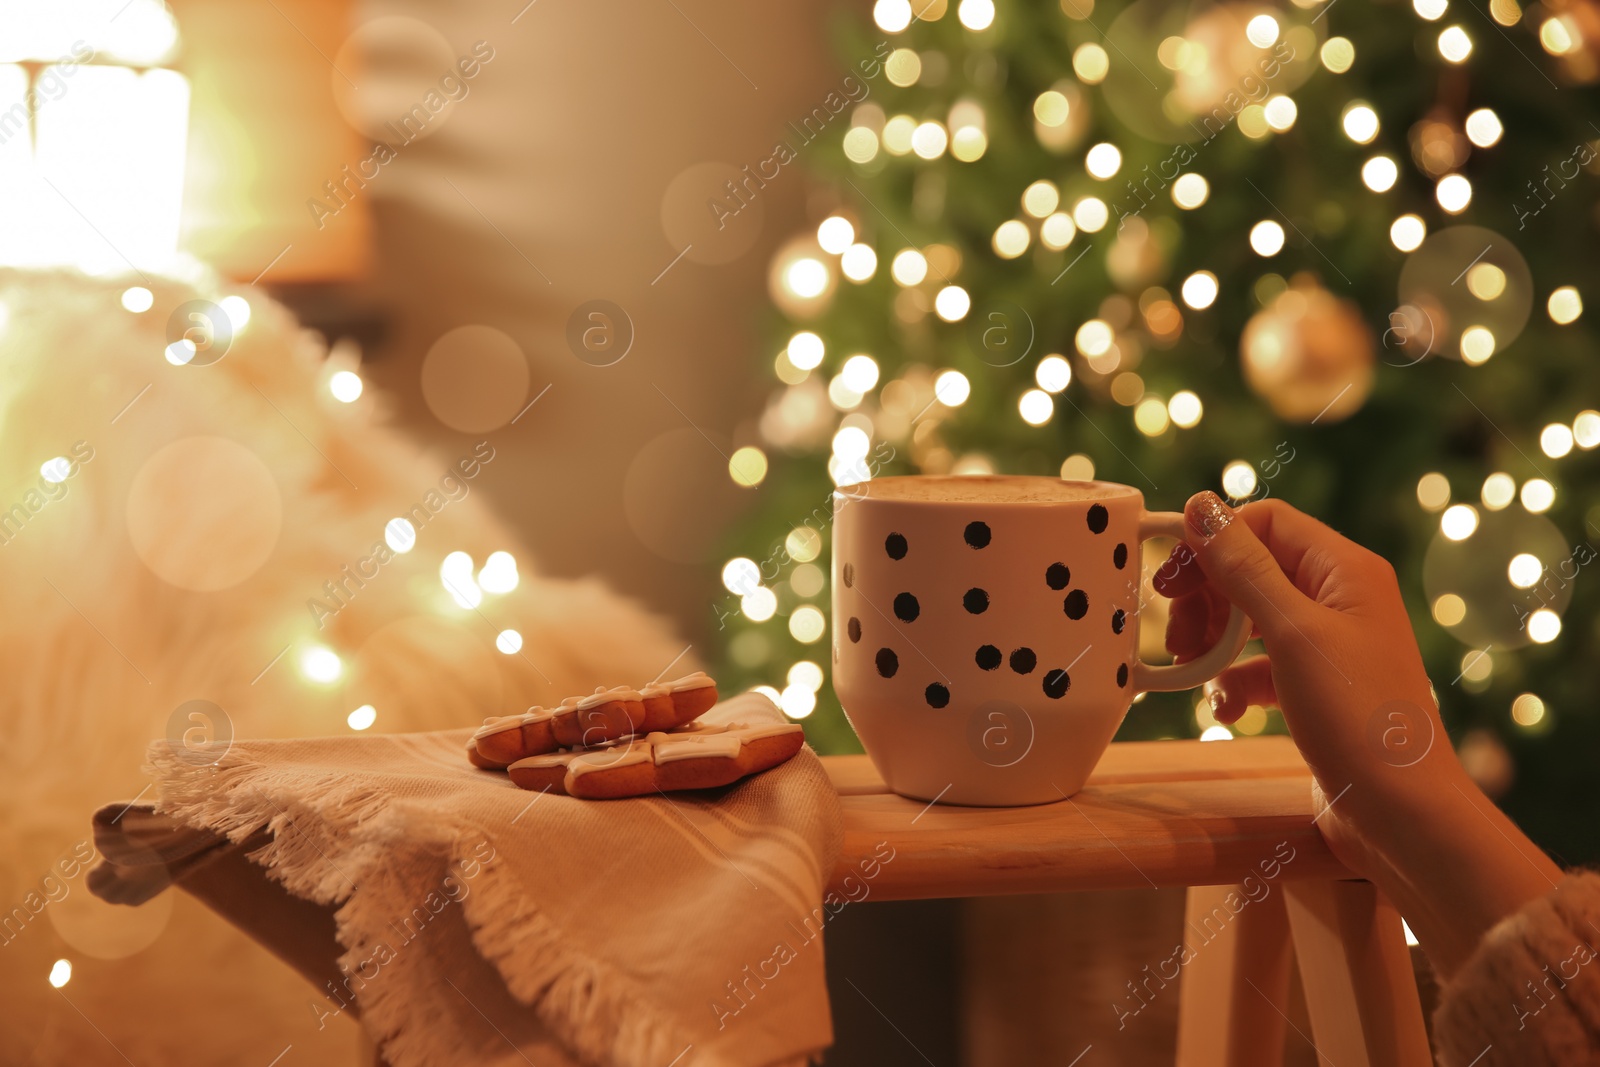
1148,678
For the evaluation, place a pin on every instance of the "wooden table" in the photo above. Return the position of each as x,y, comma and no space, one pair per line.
1231,820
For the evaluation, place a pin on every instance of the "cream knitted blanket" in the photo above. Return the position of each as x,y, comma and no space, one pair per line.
483,924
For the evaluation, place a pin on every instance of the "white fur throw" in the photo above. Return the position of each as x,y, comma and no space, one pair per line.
208,524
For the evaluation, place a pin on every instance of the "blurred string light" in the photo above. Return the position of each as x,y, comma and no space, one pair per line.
1057,231
1544,626
1527,711
1150,416
1199,290
1077,468
1035,407
362,718
1185,409
1090,63
759,604
952,303
1280,112
858,262
1238,479
1454,193
1380,173
321,664
1524,570
1564,306
1499,490
1011,239
60,973
455,574
1216,732
499,573
1449,610
346,386
1189,191
1433,491
1407,232
892,16
951,388
1559,36
1537,495
1586,429
835,234
1338,55
1454,44
1090,214
1266,238
400,535
976,15
138,299
1458,521
909,267
1432,10
508,642
806,350
55,470
1555,440
1102,162
1360,123
807,624
747,467
1483,128
1053,374
1040,198
740,575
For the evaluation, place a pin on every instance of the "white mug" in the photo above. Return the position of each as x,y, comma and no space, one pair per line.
986,630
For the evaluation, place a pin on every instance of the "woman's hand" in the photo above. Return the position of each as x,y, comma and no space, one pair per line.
1343,665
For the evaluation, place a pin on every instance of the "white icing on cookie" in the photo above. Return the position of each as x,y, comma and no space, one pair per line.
603,695
697,680
692,747
610,758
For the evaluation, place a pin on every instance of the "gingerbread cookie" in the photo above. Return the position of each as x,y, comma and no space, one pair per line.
698,756
604,715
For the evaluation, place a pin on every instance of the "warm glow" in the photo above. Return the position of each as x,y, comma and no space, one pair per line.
1458,521
1199,290
1280,113
976,15
1454,193
859,262
1449,610
740,575
1150,416
1433,490
1090,63
362,717
806,350
1454,44
1036,407
321,664
1190,191
1544,626
1053,374
807,624
1102,162
1537,495
1477,345
346,386
60,973
1524,570
1238,479
952,388
860,374
929,140
1093,337
747,467
1266,238
1091,214
1527,710
1338,54
1185,409
759,604
1555,440
1360,123
1586,429
138,299
1432,10
1040,198
835,234
892,16
1379,174
952,303
1057,231
1407,232
1499,490
1564,306
1483,128
1011,239
1262,31
909,267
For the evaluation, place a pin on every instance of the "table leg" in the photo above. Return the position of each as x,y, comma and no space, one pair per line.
1238,952
1360,989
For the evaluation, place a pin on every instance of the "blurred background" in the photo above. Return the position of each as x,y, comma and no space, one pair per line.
697,263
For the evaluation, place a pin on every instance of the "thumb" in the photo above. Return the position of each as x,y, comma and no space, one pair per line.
1239,565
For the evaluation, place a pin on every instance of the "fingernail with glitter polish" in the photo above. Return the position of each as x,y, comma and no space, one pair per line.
1208,515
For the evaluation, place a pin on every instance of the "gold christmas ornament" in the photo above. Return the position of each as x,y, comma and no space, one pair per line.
1309,355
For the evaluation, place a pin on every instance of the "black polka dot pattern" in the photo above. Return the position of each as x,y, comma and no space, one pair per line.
976,601
1122,676
1056,684
1119,619
1098,518
988,657
1023,661
1076,605
906,608
895,544
849,575
1056,576
937,695
853,628
887,662
977,534
1119,556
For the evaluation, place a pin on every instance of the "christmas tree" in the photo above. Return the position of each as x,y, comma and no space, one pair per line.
1336,253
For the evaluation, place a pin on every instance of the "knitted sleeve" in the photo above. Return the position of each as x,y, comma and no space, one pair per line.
1529,995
